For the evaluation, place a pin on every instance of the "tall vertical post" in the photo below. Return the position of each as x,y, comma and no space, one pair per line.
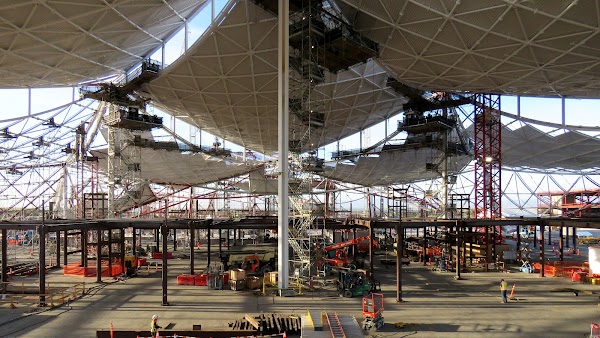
519,253
165,234
110,254
574,239
174,239
487,249
134,244
122,249
283,145
371,238
4,259
164,231
208,231
399,256
99,256
424,255
58,249
561,241
83,248
542,254
192,244
220,242
458,249
66,248
42,258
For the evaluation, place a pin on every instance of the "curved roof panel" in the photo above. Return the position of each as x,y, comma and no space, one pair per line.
393,167
529,47
66,42
187,169
227,85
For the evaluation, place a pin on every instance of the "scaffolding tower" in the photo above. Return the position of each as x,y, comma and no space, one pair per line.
488,157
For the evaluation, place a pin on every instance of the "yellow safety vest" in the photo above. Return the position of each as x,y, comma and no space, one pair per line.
503,286
153,328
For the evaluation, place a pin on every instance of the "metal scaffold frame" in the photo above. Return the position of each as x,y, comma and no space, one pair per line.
488,157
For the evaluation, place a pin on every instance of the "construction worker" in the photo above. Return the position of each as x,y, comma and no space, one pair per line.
154,325
503,290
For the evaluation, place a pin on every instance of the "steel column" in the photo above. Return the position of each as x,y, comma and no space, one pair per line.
424,255
165,234
192,243
208,231
371,265
4,259
561,241
122,249
519,253
58,249
83,237
42,258
66,248
110,252
174,239
458,249
399,256
99,233
283,145
542,254
220,242
134,244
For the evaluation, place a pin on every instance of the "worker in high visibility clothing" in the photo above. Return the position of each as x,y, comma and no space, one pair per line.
504,290
154,325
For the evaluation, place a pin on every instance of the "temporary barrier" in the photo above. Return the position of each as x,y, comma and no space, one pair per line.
201,280
75,269
159,255
186,280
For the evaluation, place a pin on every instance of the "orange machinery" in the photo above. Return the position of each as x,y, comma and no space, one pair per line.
372,309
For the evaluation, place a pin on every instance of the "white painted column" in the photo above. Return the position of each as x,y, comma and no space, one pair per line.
283,146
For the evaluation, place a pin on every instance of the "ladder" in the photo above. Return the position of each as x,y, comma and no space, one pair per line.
337,331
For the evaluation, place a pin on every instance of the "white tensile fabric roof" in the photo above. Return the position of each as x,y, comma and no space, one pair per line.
529,147
227,85
66,42
528,47
187,169
393,167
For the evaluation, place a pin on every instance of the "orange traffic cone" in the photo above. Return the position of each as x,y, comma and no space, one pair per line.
512,292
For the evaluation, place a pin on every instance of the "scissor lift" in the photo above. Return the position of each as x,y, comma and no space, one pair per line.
372,309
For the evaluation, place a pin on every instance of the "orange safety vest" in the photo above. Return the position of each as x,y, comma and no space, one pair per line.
503,286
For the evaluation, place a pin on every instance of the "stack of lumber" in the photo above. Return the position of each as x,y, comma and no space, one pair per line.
268,323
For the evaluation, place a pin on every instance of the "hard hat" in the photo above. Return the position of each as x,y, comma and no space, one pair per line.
154,317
